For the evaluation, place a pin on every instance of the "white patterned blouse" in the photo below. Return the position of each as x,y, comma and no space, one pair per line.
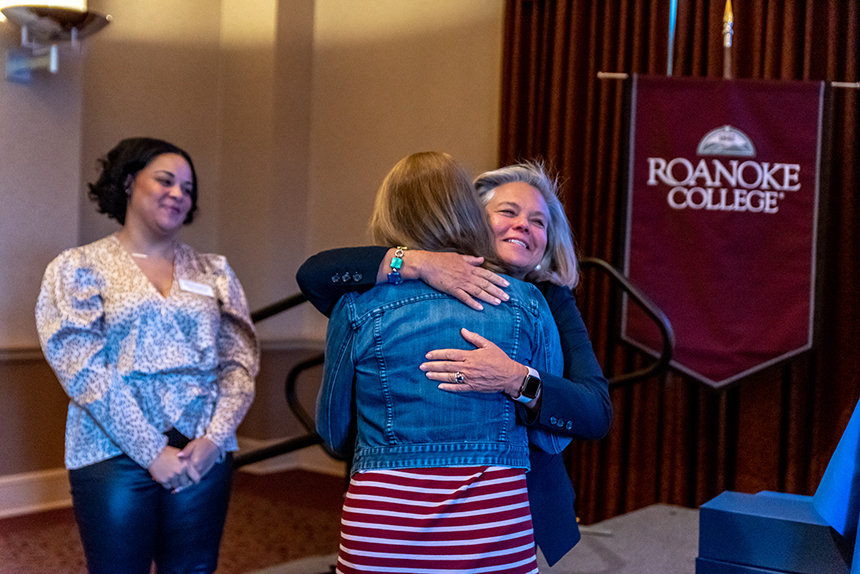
135,363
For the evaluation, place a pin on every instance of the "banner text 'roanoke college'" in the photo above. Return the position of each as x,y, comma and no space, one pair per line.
712,185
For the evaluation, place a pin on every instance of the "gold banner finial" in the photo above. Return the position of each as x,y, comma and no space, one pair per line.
728,21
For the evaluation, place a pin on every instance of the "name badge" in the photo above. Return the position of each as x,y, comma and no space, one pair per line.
194,287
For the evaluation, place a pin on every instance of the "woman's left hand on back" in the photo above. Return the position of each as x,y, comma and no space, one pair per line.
486,369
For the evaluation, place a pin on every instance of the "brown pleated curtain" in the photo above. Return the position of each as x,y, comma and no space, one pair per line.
672,439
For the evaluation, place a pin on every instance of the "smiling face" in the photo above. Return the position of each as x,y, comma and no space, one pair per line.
160,195
519,217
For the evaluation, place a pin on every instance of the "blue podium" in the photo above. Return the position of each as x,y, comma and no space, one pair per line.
778,533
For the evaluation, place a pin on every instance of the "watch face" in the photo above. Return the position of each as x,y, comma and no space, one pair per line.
530,389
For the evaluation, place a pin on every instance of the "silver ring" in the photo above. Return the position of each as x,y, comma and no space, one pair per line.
459,377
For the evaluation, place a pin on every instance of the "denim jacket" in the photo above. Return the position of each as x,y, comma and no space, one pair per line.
374,394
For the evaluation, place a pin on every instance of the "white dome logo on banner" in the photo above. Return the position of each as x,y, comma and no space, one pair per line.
726,141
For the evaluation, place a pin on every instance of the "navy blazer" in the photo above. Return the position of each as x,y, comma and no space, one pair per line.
575,405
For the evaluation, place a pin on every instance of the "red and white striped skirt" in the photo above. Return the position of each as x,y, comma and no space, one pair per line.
428,520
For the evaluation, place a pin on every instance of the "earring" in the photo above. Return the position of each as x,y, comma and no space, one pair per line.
538,267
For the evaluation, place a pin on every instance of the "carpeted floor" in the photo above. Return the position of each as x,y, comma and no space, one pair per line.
659,539
273,519
288,523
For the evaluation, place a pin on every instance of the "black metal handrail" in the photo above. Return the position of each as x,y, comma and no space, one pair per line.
296,406
278,307
290,390
295,443
282,447
651,310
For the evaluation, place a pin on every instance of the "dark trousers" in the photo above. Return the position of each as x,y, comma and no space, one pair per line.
127,520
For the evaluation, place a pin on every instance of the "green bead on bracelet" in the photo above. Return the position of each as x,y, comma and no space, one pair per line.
394,276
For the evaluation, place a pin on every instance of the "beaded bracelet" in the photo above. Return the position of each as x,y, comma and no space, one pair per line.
396,263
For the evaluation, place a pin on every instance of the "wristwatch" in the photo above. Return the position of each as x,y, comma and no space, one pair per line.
530,388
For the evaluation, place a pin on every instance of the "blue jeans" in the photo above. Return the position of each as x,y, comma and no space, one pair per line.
127,520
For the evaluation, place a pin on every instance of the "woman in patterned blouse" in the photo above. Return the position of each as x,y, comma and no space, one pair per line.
154,345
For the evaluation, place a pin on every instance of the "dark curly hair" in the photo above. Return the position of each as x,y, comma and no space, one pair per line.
126,159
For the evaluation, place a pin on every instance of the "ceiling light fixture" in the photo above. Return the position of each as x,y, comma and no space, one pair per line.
43,27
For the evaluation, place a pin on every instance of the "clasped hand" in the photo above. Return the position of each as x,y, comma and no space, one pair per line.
176,469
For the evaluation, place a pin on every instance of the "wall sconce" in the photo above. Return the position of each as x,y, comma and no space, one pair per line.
43,25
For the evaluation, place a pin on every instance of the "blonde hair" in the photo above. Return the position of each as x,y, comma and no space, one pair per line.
427,202
559,263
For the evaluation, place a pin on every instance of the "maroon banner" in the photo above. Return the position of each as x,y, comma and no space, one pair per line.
721,220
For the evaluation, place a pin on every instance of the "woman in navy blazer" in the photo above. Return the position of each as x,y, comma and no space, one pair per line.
533,239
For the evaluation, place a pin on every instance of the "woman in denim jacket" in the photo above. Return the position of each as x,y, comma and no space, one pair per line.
439,477
576,404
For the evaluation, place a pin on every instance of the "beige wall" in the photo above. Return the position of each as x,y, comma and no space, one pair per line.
393,78
293,110
39,173
32,417
267,58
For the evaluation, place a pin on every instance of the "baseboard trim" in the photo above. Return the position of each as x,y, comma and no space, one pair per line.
31,492
21,354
